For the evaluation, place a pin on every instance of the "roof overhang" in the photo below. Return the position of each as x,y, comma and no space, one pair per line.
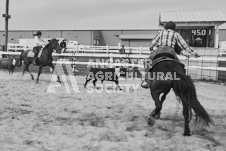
193,18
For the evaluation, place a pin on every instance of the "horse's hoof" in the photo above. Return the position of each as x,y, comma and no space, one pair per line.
151,121
58,81
157,116
154,115
187,134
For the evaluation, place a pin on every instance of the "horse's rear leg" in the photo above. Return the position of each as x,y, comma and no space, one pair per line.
158,104
163,97
187,131
39,72
155,95
32,77
26,69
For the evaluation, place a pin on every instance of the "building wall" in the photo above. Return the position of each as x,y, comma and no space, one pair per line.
110,37
136,43
86,37
13,36
222,35
126,32
82,36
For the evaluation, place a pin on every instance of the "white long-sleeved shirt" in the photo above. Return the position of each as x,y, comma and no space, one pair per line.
39,41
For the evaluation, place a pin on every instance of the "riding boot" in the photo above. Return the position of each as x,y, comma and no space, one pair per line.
145,83
148,64
35,62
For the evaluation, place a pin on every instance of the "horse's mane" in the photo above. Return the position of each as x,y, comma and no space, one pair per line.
46,46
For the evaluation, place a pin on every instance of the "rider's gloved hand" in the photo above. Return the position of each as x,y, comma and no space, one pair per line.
151,50
196,55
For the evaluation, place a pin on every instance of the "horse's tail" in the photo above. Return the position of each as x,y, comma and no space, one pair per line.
185,89
20,59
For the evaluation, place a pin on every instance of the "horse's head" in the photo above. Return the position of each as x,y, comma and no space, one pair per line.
55,45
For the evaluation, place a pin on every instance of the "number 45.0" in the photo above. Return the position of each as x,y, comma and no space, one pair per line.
199,32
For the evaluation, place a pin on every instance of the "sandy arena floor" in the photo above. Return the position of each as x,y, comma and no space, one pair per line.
31,119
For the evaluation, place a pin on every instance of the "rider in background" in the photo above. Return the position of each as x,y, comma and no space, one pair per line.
166,41
39,44
122,50
63,45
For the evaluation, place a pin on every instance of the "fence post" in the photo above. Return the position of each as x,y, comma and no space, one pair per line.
77,48
107,47
187,70
140,50
220,52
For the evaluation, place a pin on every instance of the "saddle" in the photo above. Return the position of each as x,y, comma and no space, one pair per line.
161,57
30,54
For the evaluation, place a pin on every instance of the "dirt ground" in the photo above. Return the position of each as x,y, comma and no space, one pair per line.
34,118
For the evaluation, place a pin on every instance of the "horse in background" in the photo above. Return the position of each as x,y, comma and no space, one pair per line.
173,76
9,63
44,60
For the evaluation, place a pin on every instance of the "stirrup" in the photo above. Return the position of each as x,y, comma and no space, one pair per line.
146,86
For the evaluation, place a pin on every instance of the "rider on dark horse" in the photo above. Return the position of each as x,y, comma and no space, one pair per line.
166,41
39,43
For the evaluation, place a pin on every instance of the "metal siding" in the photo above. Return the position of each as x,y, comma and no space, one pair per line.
138,43
137,36
110,37
83,37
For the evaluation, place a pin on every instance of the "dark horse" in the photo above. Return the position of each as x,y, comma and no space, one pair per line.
44,60
173,75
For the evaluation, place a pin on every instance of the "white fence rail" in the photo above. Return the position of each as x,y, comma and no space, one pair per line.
222,52
101,49
195,65
87,48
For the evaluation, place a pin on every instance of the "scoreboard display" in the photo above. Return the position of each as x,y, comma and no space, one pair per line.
198,37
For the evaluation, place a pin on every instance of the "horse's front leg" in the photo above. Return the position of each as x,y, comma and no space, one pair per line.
94,83
39,72
187,131
117,85
53,70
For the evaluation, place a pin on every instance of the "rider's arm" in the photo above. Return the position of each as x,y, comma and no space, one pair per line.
182,43
43,42
38,40
154,42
